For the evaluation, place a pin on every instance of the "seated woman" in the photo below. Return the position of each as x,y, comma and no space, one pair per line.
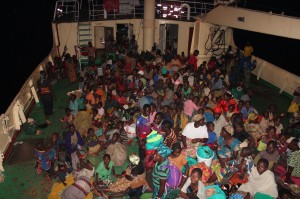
73,140
104,172
270,135
244,166
253,128
271,154
226,154
131,181
292,174
261,181
194,187
226,139
194,134
92,142
226,102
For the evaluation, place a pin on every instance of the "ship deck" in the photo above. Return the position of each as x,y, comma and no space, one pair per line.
21,179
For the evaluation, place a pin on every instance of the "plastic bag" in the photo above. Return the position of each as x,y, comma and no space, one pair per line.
153,140
204,152
218,194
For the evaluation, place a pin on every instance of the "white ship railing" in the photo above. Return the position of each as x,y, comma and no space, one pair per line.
67,7
11,121
132,9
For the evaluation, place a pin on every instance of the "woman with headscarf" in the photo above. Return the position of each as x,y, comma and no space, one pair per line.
161,171
228,146
226,101
194,134
226,151
261,181
253,128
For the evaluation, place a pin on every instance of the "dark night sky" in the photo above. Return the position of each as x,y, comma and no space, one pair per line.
27,39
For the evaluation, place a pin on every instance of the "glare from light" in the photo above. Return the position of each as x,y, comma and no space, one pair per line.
159,5
171,6
182,12
165,7
164,15
177,9
176,16
171,11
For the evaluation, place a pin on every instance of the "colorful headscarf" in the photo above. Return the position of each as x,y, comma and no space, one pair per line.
164,151
252,117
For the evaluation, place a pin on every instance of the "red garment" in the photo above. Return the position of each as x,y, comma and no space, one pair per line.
149,163
128,68
111,5
281,171
211,65
193,61
223,104
121,100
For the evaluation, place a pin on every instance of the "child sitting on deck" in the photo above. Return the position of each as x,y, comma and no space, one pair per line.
212,136
67,119
43,162
53,146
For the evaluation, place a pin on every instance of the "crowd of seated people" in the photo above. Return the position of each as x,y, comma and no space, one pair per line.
169,112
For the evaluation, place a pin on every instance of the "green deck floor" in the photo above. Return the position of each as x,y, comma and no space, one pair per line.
21,180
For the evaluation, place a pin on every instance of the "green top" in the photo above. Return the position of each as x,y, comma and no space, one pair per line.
103,173
160,172
294,161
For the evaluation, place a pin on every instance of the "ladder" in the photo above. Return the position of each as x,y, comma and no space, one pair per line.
84,35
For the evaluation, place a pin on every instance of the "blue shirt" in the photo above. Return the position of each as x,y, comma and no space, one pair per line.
209,117
212,137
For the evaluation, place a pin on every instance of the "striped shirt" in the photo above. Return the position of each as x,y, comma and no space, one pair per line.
123,137
160,172
171,136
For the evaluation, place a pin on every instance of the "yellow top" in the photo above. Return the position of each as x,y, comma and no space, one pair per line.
248,50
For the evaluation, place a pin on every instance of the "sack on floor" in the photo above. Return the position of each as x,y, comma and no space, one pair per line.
118,153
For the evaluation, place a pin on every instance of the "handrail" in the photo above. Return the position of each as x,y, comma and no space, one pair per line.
65,7
25,97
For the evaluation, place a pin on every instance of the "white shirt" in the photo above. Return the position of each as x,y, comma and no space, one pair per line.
219,124
191,132
201,194
101,111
